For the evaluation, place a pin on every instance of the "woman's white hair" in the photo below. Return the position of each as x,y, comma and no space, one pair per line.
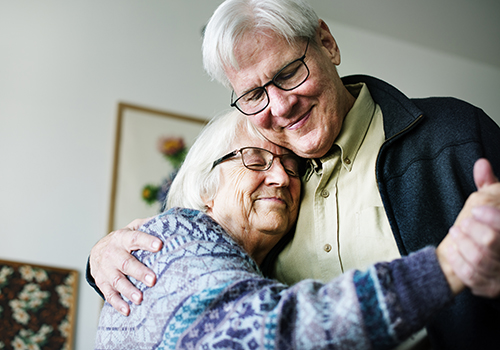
196,181
290,19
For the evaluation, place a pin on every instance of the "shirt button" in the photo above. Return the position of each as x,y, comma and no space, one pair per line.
327,248
347,160
325,193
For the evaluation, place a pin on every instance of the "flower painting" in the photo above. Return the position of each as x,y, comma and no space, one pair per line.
150,148
174,151
37,306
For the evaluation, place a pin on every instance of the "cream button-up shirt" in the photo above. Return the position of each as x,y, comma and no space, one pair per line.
342,223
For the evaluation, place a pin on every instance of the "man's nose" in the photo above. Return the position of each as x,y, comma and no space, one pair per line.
281,102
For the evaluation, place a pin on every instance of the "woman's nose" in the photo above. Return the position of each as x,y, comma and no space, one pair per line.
276,175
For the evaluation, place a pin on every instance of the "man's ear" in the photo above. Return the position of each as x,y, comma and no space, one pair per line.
327,42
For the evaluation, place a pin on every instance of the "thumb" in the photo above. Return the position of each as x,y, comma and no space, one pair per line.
483,173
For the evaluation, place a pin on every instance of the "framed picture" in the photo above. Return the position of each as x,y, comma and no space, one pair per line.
140,165
37,306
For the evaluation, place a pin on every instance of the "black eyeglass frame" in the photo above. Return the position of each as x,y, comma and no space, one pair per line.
272,81
269,164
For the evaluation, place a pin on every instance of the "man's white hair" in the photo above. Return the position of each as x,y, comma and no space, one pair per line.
290,19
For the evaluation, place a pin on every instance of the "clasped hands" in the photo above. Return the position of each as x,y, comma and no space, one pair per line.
472,247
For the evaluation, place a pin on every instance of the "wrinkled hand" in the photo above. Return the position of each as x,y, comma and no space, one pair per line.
475,256
474,252
111,261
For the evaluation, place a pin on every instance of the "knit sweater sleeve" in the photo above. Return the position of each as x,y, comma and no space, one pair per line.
211,295
376,309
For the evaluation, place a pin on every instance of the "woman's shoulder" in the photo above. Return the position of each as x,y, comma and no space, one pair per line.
185,232
185,222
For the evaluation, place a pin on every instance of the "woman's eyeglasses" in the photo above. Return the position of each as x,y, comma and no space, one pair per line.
260,159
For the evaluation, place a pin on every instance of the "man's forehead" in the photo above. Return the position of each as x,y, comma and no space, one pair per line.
259,60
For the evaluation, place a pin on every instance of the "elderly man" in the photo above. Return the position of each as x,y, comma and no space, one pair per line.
387,175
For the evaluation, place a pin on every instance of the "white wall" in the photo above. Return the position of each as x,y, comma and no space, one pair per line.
416,70
64,66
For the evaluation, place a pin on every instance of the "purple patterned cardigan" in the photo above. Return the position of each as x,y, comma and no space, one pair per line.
211,295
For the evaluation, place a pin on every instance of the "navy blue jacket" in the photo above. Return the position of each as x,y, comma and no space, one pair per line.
424,175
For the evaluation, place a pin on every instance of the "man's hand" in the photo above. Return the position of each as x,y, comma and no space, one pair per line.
475,257
474,249
111,261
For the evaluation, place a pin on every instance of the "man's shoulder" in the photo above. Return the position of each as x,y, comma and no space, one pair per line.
400,111
384,90
446,106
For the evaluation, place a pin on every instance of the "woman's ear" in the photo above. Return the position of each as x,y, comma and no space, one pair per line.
327,42
209,203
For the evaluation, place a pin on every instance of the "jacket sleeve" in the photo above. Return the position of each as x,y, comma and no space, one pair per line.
91,281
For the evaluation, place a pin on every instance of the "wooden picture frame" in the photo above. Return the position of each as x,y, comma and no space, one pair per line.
137,161
37,306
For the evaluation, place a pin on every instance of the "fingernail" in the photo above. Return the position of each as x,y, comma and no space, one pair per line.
156,245
135,297
123,311
149,279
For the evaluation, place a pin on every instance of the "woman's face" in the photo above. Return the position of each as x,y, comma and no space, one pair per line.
256,207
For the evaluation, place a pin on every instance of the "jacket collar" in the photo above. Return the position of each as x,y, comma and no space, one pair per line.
398,110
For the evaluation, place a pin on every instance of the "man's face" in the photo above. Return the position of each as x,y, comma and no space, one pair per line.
308,118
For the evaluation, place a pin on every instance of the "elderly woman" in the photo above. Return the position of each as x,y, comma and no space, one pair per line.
243,195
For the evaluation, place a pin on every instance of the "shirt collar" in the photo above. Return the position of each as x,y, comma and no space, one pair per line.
355,125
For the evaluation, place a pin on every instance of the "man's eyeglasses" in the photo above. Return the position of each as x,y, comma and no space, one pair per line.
260,159
288,78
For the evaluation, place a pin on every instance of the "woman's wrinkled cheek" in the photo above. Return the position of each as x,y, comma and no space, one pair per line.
244,184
